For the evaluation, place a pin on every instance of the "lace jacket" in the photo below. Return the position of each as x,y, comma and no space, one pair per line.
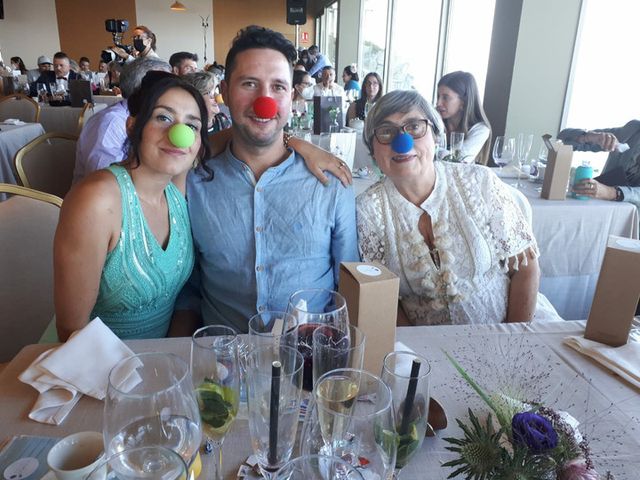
478,229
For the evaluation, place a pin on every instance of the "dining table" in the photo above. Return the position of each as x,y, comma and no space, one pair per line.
65,118
13,138
529,359
572,237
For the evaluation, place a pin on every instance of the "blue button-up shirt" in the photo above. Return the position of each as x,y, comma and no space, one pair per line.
259,241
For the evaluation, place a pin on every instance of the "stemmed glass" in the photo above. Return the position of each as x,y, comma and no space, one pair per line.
42,93
159,410
216,373
337,347
457,139
352,418
274,381
523,147
273,328
318,467
152,463
407,376
503,151
312,308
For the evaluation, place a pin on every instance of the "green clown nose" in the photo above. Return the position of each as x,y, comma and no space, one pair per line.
181,136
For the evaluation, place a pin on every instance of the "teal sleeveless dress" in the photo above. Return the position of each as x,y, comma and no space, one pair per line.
141,280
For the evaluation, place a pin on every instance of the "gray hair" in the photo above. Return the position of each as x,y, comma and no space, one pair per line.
203,81
400,101
133,73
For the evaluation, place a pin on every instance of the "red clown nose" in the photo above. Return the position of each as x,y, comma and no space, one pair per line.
265,107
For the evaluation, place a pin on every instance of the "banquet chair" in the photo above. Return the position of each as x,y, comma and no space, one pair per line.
47,162
29,219
84,116
20,106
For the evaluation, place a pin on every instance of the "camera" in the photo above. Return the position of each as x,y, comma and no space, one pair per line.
116,27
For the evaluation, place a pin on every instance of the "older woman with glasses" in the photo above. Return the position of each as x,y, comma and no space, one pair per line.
463,250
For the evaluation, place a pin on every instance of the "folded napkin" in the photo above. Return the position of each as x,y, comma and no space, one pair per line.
79,366
13,121
624,360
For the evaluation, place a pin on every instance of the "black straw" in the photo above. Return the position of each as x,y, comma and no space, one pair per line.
273,412
411,395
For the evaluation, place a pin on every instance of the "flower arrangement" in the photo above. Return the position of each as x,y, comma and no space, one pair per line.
526,442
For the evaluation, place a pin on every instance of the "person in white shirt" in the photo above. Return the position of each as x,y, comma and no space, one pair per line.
328,87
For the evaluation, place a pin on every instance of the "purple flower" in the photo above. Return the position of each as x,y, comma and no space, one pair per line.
534,432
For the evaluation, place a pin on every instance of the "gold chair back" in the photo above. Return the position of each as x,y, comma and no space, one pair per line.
47,162
87,111
20,106
29,220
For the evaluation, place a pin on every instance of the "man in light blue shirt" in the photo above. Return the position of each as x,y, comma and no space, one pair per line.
103,137
264,226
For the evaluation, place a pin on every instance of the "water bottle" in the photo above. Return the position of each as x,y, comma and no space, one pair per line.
583,172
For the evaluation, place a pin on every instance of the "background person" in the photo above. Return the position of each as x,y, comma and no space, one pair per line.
371,93
18,64
453,233
350,79
460,108
128,267
144,44
183,63
206,84
624,166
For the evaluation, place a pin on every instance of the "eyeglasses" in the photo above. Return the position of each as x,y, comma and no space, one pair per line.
416,128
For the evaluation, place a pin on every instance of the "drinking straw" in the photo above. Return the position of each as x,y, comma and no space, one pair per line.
273,412
411,395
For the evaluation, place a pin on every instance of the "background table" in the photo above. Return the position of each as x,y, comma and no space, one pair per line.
572,237
12,139
65,119
530,358
108,100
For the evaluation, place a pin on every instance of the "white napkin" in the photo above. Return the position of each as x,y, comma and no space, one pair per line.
79,366
624,360
13,121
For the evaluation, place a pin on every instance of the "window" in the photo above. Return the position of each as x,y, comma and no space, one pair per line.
328,44
373,36
605,90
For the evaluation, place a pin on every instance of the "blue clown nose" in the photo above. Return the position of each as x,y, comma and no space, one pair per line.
402,143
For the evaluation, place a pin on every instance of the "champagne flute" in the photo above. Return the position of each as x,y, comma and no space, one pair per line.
318,467
274,381
457,138
407,376
336,347
352,418
159,410
312,308
523,147
216,374
153,463
503,150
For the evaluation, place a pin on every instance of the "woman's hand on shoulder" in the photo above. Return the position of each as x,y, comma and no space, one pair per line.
318,160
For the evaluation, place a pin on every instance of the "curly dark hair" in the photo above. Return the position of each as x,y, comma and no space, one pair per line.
254,36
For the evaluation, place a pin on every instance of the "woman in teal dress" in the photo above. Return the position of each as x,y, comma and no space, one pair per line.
123,248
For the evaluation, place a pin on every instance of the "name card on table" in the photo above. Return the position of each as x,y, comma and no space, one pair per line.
558,170
617,293
371,292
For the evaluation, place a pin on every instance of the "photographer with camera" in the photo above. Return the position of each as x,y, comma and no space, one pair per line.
144,44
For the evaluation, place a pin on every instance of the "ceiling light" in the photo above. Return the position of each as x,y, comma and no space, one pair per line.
178,7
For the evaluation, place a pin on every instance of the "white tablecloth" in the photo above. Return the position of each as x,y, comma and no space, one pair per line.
529,358
65,119
572,237
12,139
108,100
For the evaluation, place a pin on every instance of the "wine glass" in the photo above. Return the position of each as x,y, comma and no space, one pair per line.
312,308
407,376
42,93
153,463
273,328
457,138
274,381
352,418
503,150
159,410
318,467
216,373
337,347
523,147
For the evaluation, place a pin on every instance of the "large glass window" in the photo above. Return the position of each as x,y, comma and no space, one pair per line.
414,45
605,89
329,44
469,38
374,36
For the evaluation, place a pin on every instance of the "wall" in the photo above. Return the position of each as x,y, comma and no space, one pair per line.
178,31
542,67
38,19
230,16
349,20
81,26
